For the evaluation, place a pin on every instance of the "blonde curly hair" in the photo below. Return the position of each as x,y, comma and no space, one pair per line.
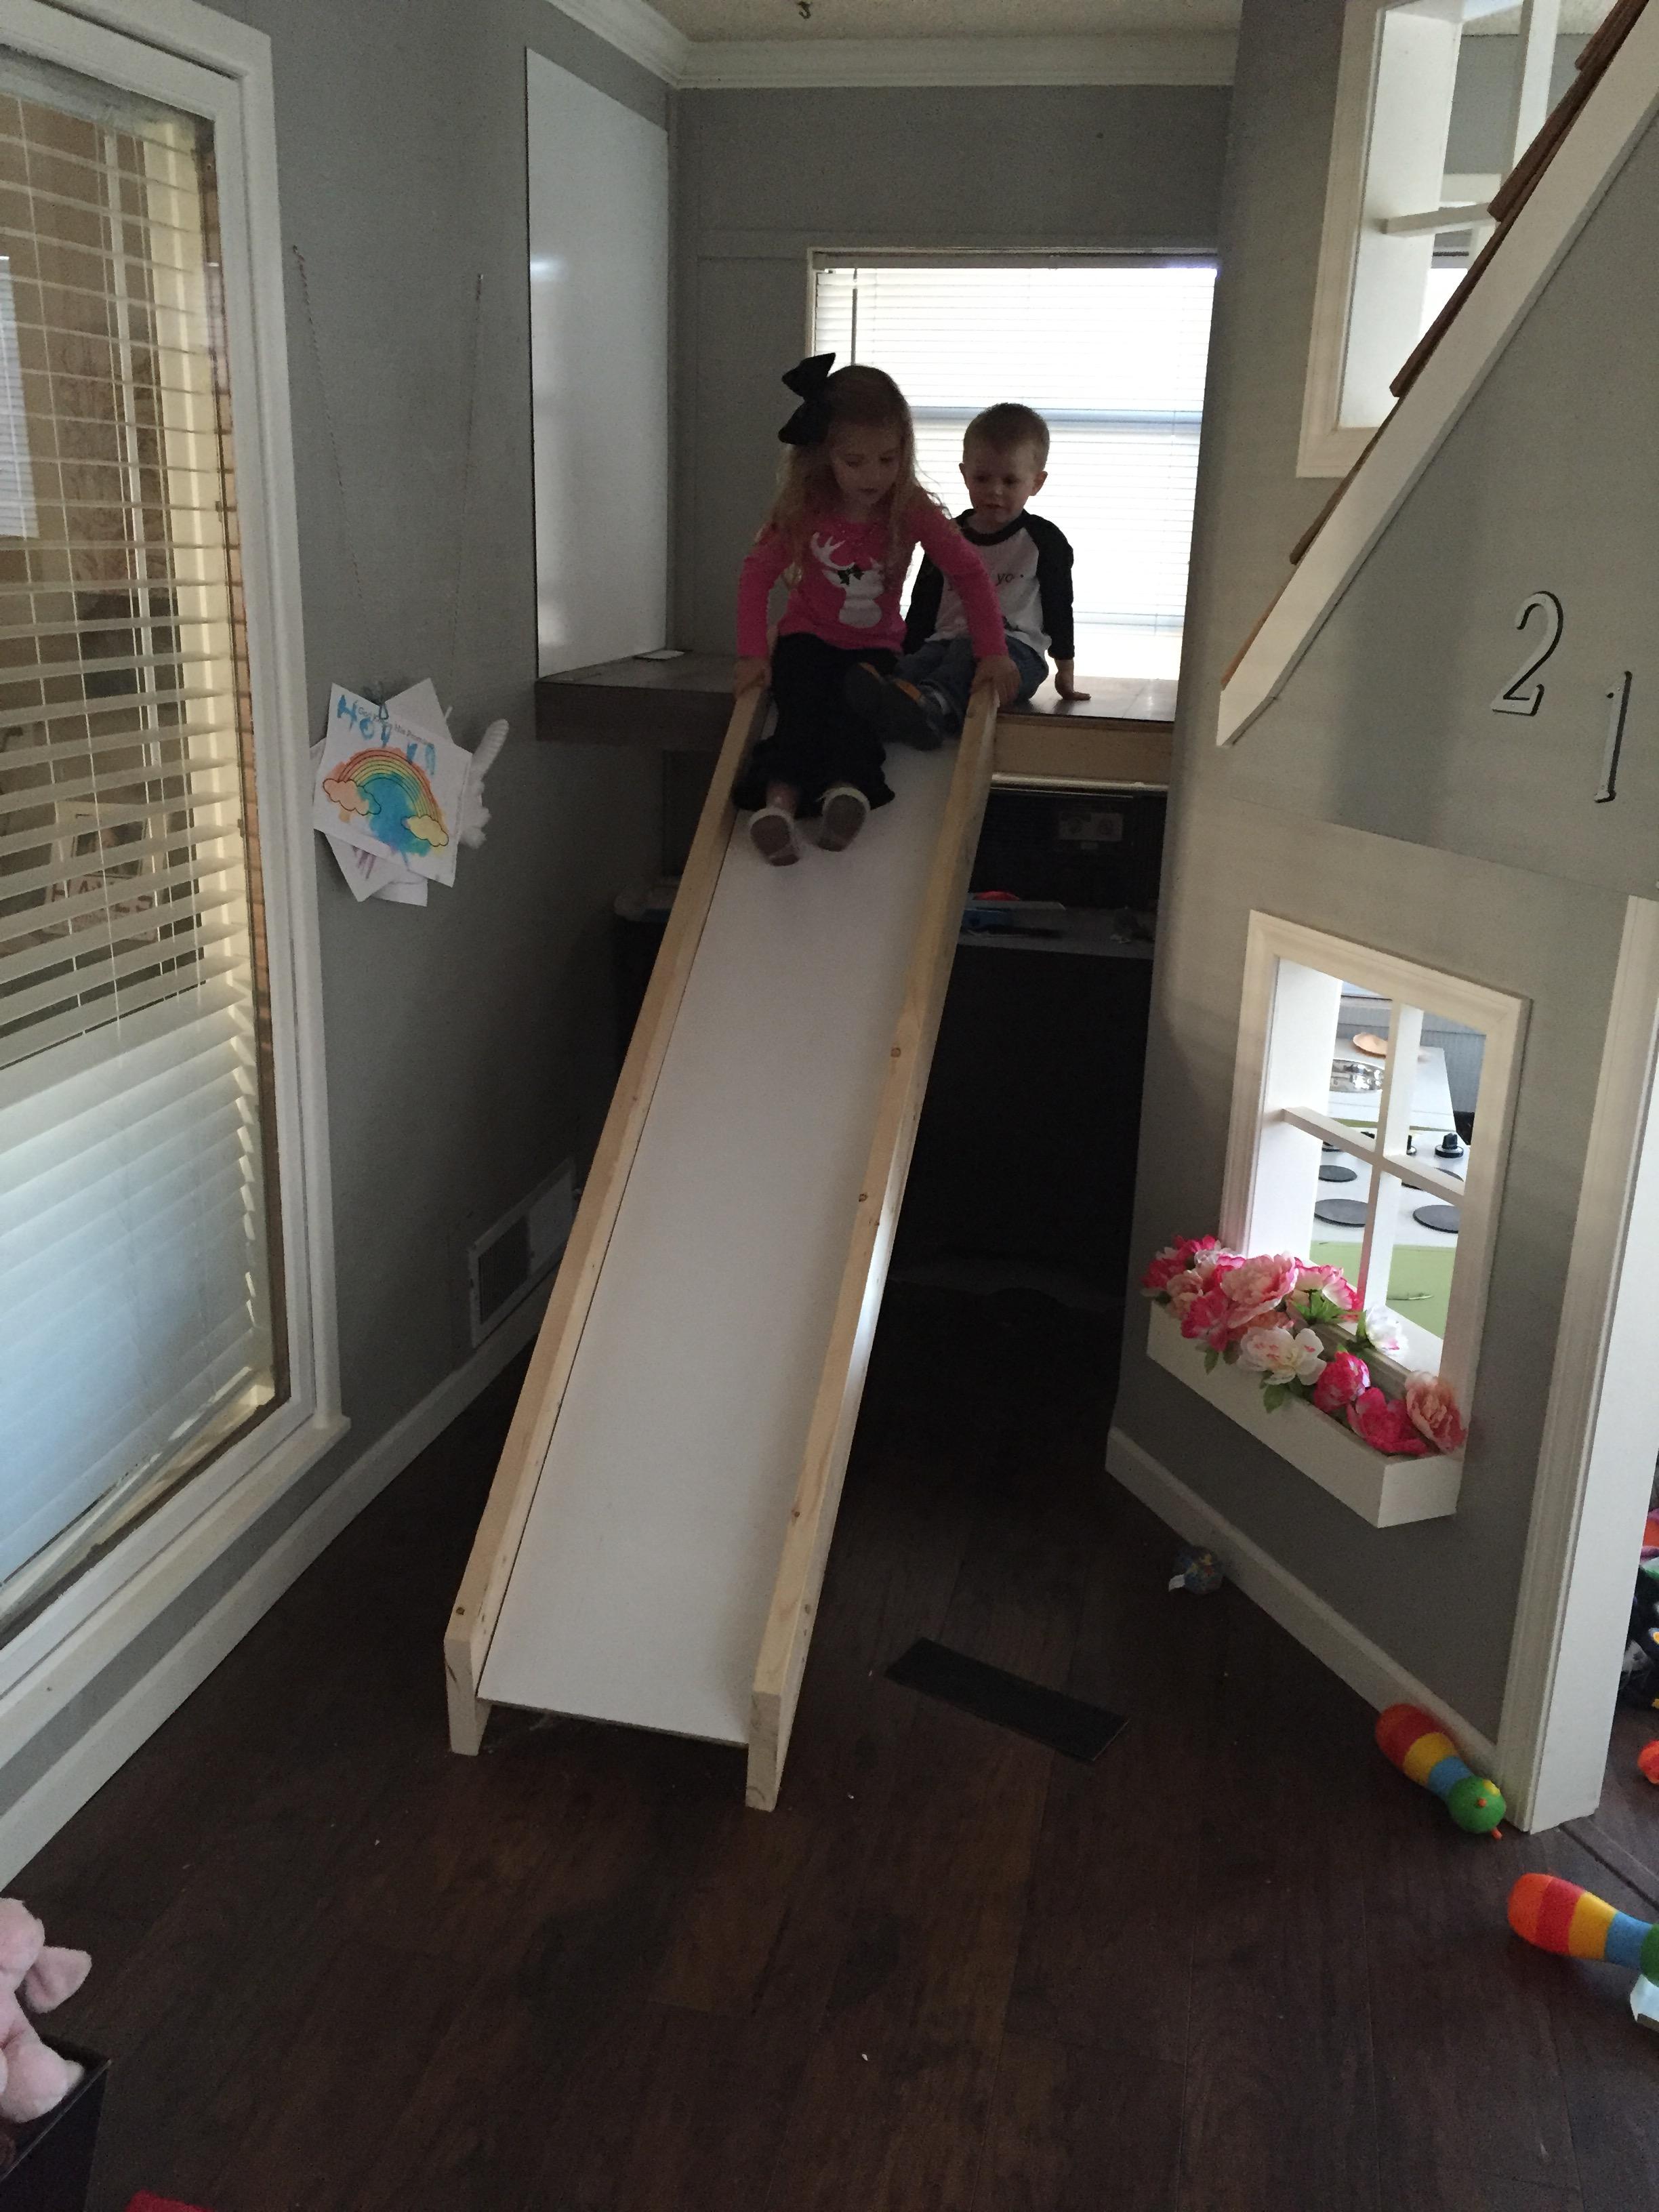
858,398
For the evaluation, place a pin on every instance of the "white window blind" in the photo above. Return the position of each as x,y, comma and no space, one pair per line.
136,1329
16,478
1113,357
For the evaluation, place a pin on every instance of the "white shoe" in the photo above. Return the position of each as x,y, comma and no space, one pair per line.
846,810
772,834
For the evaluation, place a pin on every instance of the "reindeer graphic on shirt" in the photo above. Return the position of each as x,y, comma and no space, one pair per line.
861,588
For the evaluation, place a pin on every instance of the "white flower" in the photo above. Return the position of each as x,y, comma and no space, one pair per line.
1384,1330
1282,1357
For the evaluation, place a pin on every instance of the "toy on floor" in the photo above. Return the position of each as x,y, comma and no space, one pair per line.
1647,1760
1558,1916
1416,1744
33,2077
1197,1571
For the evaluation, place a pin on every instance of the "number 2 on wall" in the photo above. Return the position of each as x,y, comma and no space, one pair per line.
1521,696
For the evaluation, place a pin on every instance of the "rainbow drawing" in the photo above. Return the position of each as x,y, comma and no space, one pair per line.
392,800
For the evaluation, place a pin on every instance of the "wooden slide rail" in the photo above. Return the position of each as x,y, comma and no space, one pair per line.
793,1609
483,1587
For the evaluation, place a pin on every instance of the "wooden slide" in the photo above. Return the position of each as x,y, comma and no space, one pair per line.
655,1541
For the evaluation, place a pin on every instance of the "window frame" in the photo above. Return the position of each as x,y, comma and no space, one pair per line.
1363,230
191,58
1284,1048
820,258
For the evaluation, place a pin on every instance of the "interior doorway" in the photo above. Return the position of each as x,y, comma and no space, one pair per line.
1598,1451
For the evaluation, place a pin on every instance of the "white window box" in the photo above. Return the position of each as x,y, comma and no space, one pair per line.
1384,1492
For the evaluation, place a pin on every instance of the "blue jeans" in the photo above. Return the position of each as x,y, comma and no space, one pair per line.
943,671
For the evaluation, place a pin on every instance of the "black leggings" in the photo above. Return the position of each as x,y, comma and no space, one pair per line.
819,739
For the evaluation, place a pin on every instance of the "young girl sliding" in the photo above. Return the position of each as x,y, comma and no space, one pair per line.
847,516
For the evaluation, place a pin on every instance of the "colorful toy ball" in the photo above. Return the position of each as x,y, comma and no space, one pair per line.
1197,1571
1415,1742
1558,1916
1647,1760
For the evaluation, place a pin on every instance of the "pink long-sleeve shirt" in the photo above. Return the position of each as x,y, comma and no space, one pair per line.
848,592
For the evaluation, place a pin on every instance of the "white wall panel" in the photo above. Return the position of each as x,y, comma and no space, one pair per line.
599,336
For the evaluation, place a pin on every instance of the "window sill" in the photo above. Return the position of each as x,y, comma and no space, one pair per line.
1384,1492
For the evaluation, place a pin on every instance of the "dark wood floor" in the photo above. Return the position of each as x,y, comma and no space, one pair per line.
1624,1832
1240,1965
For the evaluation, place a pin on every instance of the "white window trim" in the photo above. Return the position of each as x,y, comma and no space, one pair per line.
820,258
1281,1060
1601,1428
1328,446
64,1647
1358,204
1620,107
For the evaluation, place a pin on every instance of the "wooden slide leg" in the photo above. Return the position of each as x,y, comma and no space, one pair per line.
469,1714
766,1750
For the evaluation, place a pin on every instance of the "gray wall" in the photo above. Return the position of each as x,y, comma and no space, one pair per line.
403,178
1381,799
764,177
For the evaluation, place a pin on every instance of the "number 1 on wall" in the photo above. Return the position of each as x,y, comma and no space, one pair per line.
1619,696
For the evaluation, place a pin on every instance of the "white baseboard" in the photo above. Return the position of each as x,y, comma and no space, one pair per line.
1364,1666
29,1825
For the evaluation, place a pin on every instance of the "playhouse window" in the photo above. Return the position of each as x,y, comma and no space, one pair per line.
1112,355
1371,1113
1436,100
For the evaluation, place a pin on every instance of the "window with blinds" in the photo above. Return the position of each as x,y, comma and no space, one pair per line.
138,1328
1112,357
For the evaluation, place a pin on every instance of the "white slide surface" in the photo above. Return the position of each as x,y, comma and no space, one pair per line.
639,1587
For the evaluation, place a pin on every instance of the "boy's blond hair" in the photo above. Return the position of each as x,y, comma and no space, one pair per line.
1006,428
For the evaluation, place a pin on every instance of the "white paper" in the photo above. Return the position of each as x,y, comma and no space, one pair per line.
390,785
367,876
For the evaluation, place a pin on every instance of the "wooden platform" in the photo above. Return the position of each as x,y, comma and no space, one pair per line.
1118,739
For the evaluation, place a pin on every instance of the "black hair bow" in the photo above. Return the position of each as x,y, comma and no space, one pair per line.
811,421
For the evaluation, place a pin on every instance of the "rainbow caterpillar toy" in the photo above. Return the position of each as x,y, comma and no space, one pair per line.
1558,1916
1416,1744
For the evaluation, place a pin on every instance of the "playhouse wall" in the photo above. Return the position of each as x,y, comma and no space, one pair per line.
763,179
1381,799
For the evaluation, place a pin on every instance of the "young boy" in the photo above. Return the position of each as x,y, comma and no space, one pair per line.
1005,454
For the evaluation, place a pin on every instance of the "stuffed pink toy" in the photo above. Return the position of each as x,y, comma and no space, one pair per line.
33,2077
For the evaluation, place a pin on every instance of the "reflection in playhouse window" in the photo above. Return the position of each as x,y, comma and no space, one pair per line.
1371,1124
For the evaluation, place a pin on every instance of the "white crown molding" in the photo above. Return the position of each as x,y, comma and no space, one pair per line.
1109,58
636,29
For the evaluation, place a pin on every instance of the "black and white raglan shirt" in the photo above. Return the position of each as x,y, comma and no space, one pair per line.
1029,564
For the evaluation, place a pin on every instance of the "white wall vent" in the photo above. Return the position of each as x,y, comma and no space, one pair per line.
521,1250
